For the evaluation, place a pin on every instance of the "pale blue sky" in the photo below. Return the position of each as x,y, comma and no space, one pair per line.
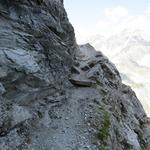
86,14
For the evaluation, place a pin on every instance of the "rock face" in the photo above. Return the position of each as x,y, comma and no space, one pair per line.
57,95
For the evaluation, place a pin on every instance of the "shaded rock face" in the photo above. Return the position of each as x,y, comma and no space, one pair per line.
35,35
57,95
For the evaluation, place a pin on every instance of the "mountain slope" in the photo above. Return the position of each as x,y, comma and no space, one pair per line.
129,51
57,95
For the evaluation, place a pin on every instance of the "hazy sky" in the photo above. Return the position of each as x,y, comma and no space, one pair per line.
107,16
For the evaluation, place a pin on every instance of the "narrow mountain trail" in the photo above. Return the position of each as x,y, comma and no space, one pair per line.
65,123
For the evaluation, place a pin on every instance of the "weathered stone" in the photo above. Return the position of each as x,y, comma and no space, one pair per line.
75,69
2,89
147,134
81,80
38,52
22,60
20,115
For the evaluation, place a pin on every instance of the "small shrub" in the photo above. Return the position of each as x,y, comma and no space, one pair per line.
102,147
104,130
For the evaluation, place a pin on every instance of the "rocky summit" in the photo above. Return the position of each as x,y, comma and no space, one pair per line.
56,95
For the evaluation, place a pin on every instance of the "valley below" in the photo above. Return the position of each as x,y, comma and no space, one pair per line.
130,52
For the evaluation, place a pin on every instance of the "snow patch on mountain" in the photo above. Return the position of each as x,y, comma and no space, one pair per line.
145,61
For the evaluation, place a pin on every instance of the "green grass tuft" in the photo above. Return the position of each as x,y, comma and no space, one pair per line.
104,130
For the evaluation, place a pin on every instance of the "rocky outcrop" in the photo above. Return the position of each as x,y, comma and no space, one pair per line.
117,115
57,95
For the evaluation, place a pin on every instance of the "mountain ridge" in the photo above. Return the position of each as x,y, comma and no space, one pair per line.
129,51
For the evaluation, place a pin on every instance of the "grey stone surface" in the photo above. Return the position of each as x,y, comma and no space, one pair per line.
81,80
40,109
2,89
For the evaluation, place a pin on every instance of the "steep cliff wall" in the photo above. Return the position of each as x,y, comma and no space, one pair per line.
55,94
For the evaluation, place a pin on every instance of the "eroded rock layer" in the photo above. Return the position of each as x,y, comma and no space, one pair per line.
55,95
